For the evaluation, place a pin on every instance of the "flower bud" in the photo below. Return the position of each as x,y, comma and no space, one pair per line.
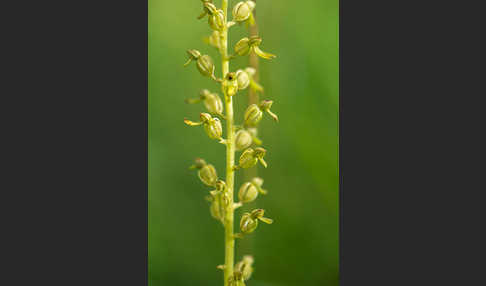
245,267
242,10
213,40
208,175
243,139
242,47
212,101
216,20
253,115
213,128
230,84
243,79
217,207
205,65
248,192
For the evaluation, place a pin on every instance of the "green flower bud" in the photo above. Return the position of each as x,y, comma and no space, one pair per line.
212,101
243,79
208,175
230,84
253,115
217,207
212,126
242,47
243,139
242,10
249,190
245,267
205,65
213,40
216,20
248,193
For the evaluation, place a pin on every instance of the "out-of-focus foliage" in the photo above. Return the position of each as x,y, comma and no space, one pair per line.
301,246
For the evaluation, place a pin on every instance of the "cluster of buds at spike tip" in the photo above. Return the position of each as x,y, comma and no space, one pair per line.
243,11
204,63
249,191
250,157
254,113
246,45
212,125
206,172
249,221
212,102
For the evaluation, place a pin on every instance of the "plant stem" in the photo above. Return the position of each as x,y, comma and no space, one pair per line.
230,158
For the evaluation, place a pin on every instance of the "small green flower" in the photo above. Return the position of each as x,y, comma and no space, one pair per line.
246,45
212,126
249,190
204,63
243,139
249,221
230,84
212,102
250,157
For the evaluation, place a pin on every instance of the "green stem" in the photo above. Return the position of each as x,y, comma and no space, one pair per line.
230,159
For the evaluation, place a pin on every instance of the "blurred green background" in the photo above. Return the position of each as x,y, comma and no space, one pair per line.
301,247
